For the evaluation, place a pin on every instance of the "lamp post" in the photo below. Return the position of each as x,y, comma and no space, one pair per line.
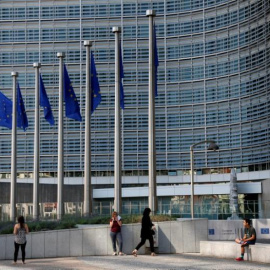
212,146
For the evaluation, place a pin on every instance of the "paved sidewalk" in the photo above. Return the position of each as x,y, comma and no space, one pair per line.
143,262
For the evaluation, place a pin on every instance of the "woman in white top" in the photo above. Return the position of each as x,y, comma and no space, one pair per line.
20,231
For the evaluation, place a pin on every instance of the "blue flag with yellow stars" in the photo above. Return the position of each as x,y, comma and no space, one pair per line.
122,96
156,59
72,104
5,111
96,96
44,102
22,121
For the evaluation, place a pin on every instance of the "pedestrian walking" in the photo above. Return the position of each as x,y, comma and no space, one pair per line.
147,232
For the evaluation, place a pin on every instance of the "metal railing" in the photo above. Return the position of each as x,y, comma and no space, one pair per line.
213,210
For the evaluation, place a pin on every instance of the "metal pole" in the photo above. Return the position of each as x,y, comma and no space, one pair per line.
60,171
192,181
152,201
36,145
13,180
117,128
87,209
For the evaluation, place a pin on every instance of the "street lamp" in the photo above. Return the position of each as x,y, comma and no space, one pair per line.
212,146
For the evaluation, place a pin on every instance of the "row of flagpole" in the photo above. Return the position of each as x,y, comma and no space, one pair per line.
36,144
13,150
92,99
87,151
117,126
60,155
152,196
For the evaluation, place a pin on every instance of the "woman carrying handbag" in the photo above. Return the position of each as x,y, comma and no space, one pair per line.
147,232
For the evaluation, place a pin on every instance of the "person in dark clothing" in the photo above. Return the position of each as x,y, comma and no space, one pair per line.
248,239
147,232
20,231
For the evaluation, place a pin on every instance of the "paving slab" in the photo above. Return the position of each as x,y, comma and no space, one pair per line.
142,262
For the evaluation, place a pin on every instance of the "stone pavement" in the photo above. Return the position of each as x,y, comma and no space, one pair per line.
143,262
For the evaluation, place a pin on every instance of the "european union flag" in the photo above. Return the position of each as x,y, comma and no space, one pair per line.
122,96
44,102
156,59
5,111
95,96
22,121
72,105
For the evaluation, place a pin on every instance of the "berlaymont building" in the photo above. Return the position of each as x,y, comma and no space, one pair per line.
213,83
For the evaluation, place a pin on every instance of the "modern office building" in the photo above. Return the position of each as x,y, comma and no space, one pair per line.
213,83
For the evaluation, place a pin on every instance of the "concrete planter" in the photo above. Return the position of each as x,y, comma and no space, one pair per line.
173,237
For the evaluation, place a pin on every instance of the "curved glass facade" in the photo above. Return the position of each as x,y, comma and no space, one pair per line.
213,81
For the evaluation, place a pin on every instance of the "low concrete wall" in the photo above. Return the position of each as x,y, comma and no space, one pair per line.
226,230
260,253
221,249
173,237
231,250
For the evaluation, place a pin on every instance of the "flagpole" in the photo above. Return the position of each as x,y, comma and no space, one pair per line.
36,145
117,128
87,205
60,171
152,199
13,180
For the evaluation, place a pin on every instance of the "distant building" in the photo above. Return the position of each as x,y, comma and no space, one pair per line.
213,83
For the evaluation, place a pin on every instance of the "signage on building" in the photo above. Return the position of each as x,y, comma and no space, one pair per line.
264,230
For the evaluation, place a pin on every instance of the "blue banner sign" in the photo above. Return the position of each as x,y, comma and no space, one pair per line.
264,230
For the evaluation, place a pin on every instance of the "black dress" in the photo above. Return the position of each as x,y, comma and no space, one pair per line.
146,231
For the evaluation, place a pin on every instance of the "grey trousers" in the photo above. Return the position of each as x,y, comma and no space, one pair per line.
116,236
